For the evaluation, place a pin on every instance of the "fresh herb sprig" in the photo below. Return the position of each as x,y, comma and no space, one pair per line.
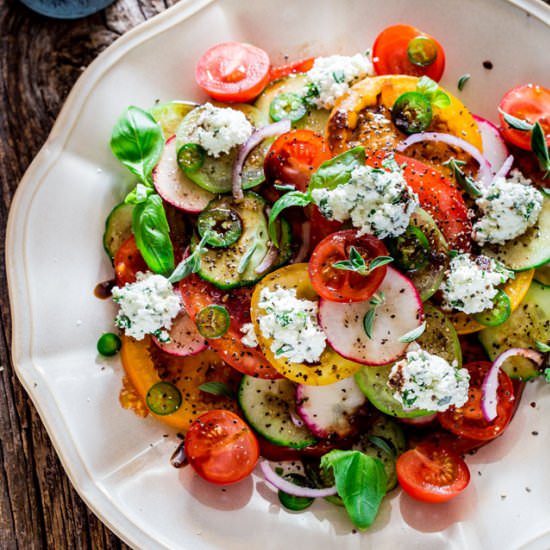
466,182
368,319
414,334
462,81
357,263
192,263
433,93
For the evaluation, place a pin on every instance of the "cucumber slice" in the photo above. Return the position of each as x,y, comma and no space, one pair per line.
542,275
532,249
268,406
170,114
236,265
215,174
440,337
314,119
118,228
528,323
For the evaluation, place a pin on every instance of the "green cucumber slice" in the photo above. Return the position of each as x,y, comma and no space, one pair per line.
314,119
542,275
268,405
170,114
236,265
532,249
528,323
215,173
118,228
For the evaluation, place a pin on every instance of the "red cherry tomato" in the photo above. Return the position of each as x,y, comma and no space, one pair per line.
390,52
432,473
197,294
438,196
233,71
468,421
529,102
300,66
294,156
128,262
339,285
320,226
221,447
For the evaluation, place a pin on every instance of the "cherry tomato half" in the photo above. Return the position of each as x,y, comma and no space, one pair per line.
128,262
300,66
221,447
468,421
402,49
342,285
529,102
233,71
294,156
432,473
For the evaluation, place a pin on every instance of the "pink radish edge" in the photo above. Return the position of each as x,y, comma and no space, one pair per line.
495,149
185,339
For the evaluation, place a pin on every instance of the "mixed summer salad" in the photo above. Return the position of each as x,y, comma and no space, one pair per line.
333,270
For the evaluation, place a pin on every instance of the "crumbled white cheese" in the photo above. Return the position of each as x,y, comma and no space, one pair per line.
218,129
424,381
509,207
292,324
147,306
331,77
378,201
249,338
470,285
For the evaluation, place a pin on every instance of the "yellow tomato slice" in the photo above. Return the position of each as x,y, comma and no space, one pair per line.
145,366
363,117
332,366
515,289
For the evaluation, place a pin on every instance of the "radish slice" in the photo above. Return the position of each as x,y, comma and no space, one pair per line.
271,130
327,410
494,147
184,337
485,172
400,313
490,383
174,186
290,488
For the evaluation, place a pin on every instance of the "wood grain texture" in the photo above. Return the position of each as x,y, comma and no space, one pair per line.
40,59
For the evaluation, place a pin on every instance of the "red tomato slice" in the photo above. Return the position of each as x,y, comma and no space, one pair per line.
233,71
468,421
438,196
221,447
320,226
300,66
529,102
432,473
294,156
197,294
389,53
128,262
339,285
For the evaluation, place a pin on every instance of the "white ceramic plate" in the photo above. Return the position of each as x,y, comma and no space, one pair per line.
119,463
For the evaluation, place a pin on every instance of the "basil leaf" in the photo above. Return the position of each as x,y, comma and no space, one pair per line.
538,146
413,334
426,86
137,141
191,264
337,170
542,347
294,198
547,375
217,388
139,194
440,99
516,123
430,89
360,481
462,81
152,234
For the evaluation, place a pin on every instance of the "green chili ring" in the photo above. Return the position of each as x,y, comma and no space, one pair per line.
163,398
288,106
498,314
412,112
191,157
212,321
422,51
221,227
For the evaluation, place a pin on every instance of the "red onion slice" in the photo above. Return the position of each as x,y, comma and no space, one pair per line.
304,247
270,256
275,129
485,174
490,383
505,168
283,485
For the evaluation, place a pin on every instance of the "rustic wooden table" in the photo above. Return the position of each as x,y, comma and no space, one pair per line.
40,59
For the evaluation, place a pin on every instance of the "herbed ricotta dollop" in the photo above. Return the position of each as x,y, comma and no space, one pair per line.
249,338
147,306
292,324
218,129
422,380
470,284
377,201
331,77
509,206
